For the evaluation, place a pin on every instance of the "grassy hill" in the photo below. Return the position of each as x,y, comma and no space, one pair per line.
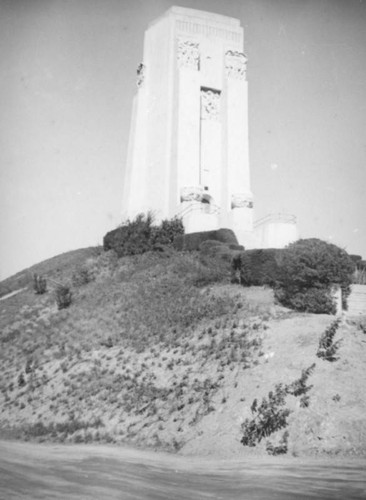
58,268
160,350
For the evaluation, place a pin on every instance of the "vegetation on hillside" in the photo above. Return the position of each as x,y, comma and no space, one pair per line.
143,339
141,235
303,274
153,347
309,269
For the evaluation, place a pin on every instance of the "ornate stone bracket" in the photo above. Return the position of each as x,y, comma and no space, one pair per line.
210,104
140,74
191,193
235,64
241,200
188,54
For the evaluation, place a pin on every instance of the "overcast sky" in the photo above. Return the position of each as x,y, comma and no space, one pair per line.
67,79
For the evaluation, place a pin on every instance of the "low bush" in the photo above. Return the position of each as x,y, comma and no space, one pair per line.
359,275
355,258
257,267
210,247
192,241
39,284
81,276
212,269
281,448
21,380
141,235
63,296
308,270
314,300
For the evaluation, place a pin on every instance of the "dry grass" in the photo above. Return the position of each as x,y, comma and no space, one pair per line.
141,349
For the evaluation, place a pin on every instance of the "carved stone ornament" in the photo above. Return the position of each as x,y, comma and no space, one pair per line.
140,74
235,64
210,104
241,200
188,54
191,193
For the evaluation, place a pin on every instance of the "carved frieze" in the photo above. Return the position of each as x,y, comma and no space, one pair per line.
188,54
140,74
209,31
241,200
235,64
210,104
191,193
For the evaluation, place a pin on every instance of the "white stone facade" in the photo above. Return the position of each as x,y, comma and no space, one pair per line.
188,151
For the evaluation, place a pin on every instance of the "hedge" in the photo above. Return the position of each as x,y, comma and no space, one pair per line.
140,235
258,267
192,241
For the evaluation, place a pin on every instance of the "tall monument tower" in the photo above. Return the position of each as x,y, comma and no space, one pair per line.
188,149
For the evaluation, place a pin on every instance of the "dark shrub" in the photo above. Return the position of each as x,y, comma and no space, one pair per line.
355,258
212,269
314,300
132,238
39,284
241,269
257,267
81,276
140,235
167,232
308,269
63,296
226,236
210,247
193,241
21,380
238,248
361,265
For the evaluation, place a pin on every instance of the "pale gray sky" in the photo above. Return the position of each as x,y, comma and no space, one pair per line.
67,78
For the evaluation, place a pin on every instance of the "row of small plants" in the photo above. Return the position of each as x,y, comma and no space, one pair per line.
271,414
327,347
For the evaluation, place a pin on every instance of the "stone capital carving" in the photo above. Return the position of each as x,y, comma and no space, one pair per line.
191,193
188,54
241,200
140,74
235,64
210,104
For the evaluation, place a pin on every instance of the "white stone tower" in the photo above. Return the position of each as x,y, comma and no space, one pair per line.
188,150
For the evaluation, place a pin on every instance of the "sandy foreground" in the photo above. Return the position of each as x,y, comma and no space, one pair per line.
46,471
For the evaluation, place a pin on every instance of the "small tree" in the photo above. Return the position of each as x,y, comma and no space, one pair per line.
308,270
